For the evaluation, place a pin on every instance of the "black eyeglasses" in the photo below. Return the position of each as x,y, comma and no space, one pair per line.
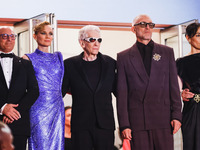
92,39
144,25
6,36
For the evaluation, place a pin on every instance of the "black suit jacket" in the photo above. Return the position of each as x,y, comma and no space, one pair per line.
23,91
86,102
147,102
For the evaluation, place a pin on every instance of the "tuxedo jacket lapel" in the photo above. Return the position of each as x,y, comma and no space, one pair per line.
15,69
137,62
104,69
156,65
156,69
2,78
16,65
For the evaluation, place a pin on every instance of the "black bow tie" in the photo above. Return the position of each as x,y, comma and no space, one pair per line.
3,55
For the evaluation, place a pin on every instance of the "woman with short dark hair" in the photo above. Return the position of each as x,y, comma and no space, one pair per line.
189,73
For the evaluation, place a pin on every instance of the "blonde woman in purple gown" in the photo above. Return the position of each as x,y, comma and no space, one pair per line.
47,114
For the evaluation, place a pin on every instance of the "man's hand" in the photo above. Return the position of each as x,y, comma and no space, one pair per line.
175,125
11,112
126,134
7,120
186,94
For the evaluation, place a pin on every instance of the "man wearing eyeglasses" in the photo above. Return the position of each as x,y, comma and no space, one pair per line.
148,98
18,89
90,77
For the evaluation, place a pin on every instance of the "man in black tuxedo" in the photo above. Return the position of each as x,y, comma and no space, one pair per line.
18,89
90,77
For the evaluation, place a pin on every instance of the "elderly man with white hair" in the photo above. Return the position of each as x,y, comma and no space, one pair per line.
90,77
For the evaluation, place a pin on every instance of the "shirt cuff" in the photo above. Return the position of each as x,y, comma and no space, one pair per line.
1,110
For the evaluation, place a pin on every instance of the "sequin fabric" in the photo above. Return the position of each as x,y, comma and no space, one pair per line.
47,113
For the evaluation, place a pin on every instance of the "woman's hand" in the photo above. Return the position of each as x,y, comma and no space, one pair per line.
186,94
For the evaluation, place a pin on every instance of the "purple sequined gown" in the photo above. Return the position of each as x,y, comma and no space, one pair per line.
47,113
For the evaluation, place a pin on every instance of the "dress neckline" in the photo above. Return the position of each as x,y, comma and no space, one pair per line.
196,54
42,53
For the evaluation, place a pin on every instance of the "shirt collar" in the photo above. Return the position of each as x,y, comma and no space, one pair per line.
11,52
141,45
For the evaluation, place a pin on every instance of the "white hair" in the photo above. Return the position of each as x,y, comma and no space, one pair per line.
83,33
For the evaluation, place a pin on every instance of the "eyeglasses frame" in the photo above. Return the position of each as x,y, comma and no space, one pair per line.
8,36
145,24
96,39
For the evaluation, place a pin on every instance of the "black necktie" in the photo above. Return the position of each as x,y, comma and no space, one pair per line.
3,55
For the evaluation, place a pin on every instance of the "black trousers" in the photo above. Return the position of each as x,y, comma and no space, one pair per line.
158,139
20,142
96,138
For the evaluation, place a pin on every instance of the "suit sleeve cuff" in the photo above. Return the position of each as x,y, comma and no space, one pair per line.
123,128
177,119
1,110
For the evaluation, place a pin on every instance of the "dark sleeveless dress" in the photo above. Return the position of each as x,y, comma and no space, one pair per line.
189,71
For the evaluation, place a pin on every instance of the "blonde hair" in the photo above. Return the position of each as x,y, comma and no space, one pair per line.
39,27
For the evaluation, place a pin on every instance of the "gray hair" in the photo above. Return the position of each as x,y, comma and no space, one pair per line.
138,18
83,33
